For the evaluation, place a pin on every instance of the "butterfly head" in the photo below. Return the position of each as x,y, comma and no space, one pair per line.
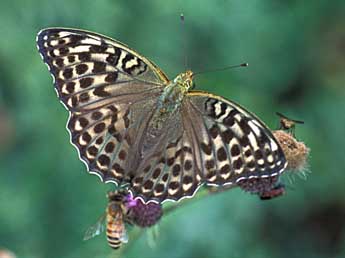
185,80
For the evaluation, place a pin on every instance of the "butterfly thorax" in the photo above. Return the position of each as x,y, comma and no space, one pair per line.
167,107
174,92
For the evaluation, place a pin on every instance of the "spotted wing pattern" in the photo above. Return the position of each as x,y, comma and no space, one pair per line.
111,92
170,175
217,143
107,88
234,144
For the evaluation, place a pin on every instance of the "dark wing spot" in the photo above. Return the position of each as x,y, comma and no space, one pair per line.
159,188
211,174
86,82
206,148
68,73
83,122
99,127
84,97
118,168
209,164
98,49
74,39
156,173
74,101
147,169
187,180
165,177
248,153
176,169
238,163
70,86
99,67
71,59
59,62
100,91
251,164
244,141
258,154
99,140
138,180
92,150
86,137
59,82
170,161
81,68
84,56
225,169
63,50
214,131
263,139
112,77
244,126
174,185
235,150
188,165
109,147
122,155
104,160
222,110
221,154
227,135
148,184
112,59
96,115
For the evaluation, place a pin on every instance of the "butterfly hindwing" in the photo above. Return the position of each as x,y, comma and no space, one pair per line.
234,144
170,175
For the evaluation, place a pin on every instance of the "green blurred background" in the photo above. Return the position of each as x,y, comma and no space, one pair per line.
296,52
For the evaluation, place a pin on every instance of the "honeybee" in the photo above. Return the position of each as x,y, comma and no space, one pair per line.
114,218
288,124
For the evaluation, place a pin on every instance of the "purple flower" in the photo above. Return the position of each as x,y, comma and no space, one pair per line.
143,214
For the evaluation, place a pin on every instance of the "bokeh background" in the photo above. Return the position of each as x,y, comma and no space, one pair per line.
296,52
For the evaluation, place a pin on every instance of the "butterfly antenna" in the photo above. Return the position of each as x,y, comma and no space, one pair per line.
185,60
223,68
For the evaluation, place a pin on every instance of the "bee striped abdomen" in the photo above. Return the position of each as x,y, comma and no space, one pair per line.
115,229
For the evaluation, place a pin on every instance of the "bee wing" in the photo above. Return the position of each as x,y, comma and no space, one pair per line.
120,218
124,235
95,229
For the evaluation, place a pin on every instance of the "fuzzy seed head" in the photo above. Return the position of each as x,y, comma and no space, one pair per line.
296,153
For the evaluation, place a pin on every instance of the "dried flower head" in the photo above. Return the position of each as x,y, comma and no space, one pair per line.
266,188
296,152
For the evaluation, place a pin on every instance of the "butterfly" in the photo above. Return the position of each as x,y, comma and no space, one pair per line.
132,125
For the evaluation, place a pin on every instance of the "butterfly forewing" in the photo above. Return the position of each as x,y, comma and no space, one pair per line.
108,89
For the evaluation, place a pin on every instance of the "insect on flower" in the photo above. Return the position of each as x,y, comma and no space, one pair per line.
288,124
123,209
114,218
132,125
